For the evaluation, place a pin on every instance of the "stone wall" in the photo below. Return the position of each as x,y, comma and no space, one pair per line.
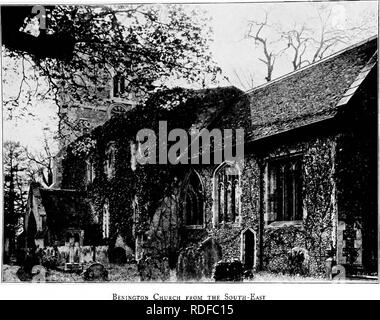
318,170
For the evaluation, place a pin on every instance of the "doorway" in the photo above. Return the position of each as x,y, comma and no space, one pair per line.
248,249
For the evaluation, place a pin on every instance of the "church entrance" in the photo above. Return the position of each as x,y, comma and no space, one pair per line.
248,249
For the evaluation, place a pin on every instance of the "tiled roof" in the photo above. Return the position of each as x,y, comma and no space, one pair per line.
306,96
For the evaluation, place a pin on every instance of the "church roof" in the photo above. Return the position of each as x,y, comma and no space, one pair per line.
309,95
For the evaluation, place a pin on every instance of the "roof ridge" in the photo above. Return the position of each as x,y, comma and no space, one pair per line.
353,46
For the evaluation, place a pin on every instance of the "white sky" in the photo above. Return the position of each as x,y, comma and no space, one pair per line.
230,50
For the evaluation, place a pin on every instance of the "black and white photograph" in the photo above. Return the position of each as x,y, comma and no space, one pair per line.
216,142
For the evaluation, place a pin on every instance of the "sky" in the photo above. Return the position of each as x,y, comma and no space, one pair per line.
234,53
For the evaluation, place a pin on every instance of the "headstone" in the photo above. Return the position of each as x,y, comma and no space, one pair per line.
211,253
77,253
96,272
190,264
71,253
329,268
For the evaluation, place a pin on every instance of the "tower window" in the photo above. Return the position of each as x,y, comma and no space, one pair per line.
118,85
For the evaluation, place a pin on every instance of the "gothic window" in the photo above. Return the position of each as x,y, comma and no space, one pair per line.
118,85
106,221
284,190
109,164
227,193
193,201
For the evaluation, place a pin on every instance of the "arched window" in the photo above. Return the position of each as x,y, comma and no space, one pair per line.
193,200
227,193
109,163
118,85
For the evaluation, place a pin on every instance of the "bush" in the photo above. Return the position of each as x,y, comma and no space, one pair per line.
298,259
282,251
118,255
229,271
154,269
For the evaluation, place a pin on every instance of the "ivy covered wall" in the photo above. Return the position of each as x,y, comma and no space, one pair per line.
146,203
140,196
315,237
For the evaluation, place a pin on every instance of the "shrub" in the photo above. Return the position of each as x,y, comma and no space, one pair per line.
118,255
229,271
298,259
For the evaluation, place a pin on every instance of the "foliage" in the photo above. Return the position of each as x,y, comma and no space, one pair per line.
229,271
298,260
313,238
136,193
320,202
278,245
117,255
49,261
154,269
149,45
15,189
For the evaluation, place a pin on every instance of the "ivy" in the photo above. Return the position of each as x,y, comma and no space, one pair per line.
135,194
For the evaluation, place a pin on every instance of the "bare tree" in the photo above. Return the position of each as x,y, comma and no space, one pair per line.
298,41
41,164
308,46
255,32
306,43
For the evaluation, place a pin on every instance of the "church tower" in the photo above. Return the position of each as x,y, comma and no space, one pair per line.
78,118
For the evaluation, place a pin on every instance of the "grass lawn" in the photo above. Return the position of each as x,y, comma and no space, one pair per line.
129,273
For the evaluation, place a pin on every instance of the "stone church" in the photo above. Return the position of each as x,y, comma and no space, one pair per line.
307,193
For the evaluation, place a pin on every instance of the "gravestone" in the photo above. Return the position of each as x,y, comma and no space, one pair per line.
328,264
96,272
190,264
211,253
